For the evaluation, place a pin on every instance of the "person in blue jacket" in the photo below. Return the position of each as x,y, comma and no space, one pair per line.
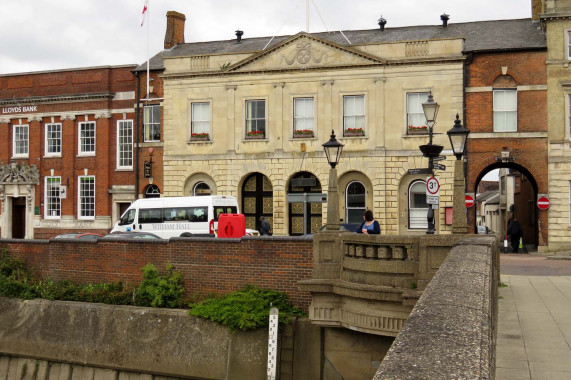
370,226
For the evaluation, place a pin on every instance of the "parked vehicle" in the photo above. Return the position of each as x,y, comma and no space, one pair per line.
133,235
483,230
173,217
79,235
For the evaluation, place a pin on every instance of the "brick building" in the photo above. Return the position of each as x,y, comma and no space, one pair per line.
506,112
66,157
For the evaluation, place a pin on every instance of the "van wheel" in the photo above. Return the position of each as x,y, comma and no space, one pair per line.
186,234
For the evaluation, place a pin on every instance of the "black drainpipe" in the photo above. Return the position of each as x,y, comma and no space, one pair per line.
137,118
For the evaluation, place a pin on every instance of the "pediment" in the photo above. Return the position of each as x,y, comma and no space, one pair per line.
302,52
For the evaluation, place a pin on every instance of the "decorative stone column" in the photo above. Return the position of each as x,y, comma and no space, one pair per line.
459,225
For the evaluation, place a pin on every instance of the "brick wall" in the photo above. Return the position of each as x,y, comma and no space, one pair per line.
208,265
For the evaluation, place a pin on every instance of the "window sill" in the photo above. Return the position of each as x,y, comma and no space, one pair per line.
52,218
20,157
53,156
90,219
124,169
198,141
148,144
249,139
354,137
86,155
415,135
312,137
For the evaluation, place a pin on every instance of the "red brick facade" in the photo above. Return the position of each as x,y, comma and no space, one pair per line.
527,147
212,266
103,95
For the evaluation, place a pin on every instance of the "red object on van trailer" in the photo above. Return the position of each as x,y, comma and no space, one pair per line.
231,225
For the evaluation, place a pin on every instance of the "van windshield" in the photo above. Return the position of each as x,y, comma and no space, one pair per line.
128,217
224,210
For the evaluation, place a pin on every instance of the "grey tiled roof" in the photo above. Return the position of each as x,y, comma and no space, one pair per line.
480,36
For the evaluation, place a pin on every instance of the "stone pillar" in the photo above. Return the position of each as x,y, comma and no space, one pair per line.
459,225
333,201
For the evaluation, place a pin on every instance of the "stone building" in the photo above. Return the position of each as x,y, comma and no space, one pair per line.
66,152
555,18
247,117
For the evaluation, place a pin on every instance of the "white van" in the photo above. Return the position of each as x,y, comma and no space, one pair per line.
172,217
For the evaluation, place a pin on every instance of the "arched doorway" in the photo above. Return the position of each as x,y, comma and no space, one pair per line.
257,200
304,218
515,194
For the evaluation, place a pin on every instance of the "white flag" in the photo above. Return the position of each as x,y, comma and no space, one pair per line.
145,8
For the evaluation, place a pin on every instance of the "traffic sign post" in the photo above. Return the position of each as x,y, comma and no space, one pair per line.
543,203
439,166
469,201
432,192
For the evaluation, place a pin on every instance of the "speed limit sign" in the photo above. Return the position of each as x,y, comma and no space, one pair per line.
432,187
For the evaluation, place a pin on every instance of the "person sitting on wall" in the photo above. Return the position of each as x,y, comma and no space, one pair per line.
369,226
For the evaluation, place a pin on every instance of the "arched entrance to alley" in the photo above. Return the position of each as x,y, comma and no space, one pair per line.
516,195
304,217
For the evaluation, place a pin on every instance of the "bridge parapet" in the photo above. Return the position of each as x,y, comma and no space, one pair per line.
352,270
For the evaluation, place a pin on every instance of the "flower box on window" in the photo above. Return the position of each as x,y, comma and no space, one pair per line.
199,137
417,130
255,135
354,132
303,133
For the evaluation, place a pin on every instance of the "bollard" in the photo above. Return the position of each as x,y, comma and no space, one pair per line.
506,244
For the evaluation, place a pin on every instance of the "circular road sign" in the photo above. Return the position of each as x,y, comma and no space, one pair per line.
543,203
469,200
432,186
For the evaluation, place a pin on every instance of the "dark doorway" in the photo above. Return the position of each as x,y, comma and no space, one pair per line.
304,182
18,218
257,200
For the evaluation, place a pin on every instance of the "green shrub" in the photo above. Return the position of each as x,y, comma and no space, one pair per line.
246,309
160,291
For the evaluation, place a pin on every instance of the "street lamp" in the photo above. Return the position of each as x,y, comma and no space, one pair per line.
333,149
458,135
430,108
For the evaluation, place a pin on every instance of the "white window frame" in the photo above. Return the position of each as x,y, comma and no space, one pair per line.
504,111
196,120
147,124
300,122
567,46
568,115
15,134
354,115
124,148
81,203
424,211
420,95
47,139
48,210
81,139
265,118
347,208
569,203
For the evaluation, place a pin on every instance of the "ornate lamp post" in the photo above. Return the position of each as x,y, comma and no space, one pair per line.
430,108
458,136
333,149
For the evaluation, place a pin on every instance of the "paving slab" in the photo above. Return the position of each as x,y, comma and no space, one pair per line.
534,328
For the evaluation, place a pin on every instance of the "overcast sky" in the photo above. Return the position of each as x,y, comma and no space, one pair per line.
38,35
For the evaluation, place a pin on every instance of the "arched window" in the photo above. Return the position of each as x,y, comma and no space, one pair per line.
201,188
417,206
355,202
152,191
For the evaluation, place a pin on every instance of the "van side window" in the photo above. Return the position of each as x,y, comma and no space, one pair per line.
150,215
199,214
224,210
185,214
128,217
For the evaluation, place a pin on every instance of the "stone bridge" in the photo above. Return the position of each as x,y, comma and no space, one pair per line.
367,284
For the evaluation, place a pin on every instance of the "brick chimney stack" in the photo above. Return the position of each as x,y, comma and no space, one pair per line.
175,29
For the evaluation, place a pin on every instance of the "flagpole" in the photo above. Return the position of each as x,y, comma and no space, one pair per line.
148,56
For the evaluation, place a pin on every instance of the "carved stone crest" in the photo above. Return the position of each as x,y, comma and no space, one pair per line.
303,55
19,173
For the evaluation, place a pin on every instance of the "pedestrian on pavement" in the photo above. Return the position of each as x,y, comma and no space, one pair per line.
515,233
265,228
369,226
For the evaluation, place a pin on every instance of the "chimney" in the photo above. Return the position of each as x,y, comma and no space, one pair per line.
382,23
536,9
239,35
444,17
175,29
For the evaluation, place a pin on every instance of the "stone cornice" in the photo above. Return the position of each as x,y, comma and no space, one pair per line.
58,98
103,115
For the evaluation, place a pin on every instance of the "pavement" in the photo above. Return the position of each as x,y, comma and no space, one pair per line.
534,329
